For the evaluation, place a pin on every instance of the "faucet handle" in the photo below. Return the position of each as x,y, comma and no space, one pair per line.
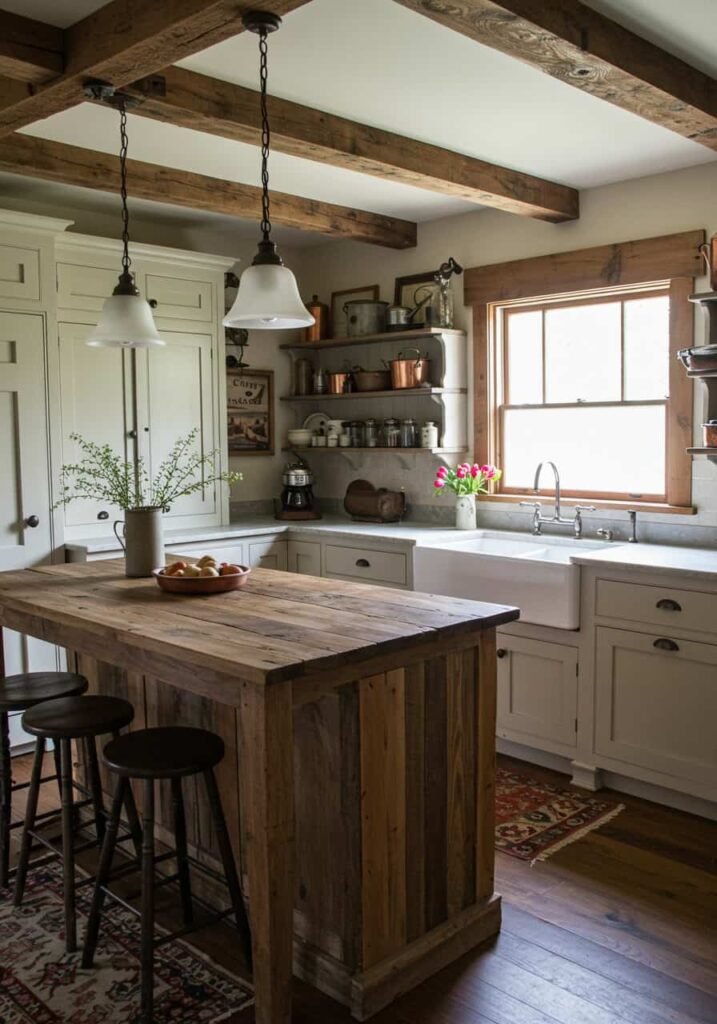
531,504
585,508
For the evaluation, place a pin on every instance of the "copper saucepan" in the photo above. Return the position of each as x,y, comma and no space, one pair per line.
410,373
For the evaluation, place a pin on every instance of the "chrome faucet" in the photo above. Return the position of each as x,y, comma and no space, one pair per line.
556,518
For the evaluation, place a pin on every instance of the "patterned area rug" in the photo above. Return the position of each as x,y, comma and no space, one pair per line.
534,819
41,984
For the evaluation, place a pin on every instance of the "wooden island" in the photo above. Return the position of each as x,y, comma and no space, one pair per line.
358,781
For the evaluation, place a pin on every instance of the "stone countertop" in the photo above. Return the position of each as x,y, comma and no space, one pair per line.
700,563
331,526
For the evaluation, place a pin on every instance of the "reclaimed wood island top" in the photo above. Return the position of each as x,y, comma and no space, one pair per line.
359,723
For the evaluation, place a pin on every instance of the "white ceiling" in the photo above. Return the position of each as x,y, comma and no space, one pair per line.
377,62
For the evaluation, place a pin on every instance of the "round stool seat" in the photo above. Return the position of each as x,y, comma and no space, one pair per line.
30,688
76,717
164,753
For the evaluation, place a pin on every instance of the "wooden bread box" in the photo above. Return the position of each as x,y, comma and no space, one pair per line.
368,504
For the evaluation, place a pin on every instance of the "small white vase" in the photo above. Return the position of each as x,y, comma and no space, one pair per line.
466,512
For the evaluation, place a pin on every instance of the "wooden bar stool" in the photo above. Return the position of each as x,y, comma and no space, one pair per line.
18,693
64,720
150,755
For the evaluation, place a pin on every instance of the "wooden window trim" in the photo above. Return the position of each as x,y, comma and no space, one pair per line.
572,276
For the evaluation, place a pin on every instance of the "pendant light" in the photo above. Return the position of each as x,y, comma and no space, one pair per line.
268,296
126,319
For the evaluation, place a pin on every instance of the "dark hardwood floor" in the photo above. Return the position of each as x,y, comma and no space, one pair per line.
618,928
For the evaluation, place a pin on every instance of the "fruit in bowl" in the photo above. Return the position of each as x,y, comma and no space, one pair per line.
205,576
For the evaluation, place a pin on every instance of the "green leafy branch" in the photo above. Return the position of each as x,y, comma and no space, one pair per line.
103,475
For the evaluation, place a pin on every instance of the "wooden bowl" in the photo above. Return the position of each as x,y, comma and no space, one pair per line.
201,584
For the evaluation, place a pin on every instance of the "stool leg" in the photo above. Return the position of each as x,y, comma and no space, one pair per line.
132,817
103,873
147,955
98,804
5,799
230,870
30,813
68,852
180,838
58,767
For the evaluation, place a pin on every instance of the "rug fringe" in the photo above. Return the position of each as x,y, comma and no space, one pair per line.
580,834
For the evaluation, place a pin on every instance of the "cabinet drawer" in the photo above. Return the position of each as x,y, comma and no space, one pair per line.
364,564
667,607
19,273
84,287
177,299
656,703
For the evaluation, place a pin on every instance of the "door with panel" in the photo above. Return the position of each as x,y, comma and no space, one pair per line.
25,514
176,394
95,402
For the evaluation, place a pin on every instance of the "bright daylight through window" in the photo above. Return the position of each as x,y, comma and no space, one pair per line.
586,381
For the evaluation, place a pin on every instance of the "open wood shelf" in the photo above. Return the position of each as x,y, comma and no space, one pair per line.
394,393
712,452
367,339
338,450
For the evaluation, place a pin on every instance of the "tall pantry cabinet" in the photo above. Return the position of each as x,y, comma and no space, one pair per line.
52,288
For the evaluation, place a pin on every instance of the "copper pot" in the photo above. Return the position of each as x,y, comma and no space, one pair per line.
340,383
409,373
372,380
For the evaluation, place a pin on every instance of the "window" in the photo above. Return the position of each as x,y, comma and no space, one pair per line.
575,361
585,381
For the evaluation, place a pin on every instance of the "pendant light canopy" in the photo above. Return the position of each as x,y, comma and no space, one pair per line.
268,296
126,319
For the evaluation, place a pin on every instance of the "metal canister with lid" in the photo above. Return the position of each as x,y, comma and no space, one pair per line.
408,433
429,435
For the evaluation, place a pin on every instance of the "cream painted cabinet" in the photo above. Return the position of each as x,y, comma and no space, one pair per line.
656,703
304,557
19,274
25,515
537,693
96,402
267,554
176,393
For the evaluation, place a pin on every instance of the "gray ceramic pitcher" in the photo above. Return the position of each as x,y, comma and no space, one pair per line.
142,540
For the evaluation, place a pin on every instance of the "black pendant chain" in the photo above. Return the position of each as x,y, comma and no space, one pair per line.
265,135
124,143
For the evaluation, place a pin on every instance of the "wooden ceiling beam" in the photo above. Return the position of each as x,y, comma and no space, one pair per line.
73,165
579,46
182,97
30,51
123,41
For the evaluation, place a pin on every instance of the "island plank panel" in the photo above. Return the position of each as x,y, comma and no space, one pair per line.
358,779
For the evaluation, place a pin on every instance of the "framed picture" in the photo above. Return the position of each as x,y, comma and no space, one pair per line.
250,412
419,290
339,325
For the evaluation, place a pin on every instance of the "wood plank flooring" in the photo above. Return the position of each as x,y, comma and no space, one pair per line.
619,928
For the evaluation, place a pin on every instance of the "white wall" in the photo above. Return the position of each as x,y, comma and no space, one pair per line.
640,208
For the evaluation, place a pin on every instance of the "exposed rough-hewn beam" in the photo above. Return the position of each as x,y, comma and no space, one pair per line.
74,165
30,51
206,104
585,49
126,40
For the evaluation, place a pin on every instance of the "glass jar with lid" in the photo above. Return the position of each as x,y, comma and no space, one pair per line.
357,432
391,433
408,433
371,433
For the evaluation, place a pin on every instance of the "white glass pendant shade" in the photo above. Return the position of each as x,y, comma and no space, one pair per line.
268,300
126,321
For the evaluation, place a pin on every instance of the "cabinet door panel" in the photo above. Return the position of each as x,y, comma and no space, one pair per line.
24,477
267,554
656,708
304,557
176,299
84,288
537,691
95,400
19,273
176,395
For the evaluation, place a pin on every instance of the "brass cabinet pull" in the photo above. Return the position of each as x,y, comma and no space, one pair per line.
363,563
664,644
668,605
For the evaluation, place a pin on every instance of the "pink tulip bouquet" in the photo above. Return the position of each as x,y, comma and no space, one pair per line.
465,479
